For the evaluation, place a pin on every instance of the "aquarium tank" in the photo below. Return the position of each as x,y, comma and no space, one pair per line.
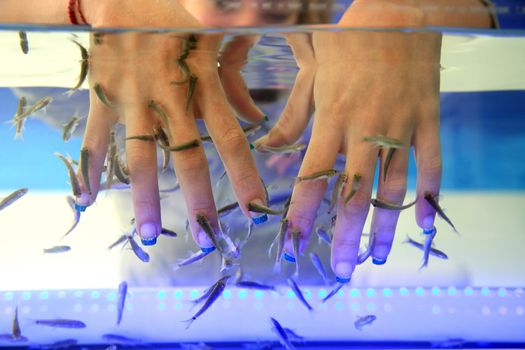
81,276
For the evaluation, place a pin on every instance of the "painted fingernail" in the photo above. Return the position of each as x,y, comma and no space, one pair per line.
82,202
428,222
258,218
266,118
342,279
149,241
208,250
288,257
430,231
343,269
377,261
80,207
148,233
204,242
252,146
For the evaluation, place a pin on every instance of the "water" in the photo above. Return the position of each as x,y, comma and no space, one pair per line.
473,299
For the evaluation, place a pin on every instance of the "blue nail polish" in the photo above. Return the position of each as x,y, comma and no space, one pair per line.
342,279
260,219
377,261
266,119
208,250
80,207
430,232
149,242
252,146
288,257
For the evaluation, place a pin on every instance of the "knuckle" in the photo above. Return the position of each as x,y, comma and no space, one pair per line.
191,161
233,139
395,186
358,205
431,166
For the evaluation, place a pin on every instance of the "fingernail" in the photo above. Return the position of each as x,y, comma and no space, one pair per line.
342,279
82,202
205,243
80,207
148,233
343,269
252,146
428,222
430,231
266,119
149,241
288,257
208,250
377,261
258,218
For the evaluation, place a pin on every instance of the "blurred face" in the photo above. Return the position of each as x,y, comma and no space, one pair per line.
239,13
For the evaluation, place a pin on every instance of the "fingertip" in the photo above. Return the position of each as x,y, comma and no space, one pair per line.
288,257
148,233
149,241
378,261
343,270
428,222
205,242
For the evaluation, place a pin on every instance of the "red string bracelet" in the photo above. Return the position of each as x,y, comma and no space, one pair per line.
73,7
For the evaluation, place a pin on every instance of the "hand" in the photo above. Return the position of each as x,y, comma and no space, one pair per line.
367,83
136,68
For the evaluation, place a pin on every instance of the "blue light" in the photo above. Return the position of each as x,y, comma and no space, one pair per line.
339,306
161,294
502,292
177,294
26,295
194,294
8,296
162,306
258,294
468,291
290,294
44,295
403,291
435,291
307,294
322,293
227,294
340,293
111,296
242,294
370,293
387,292
178,306
371,307
354,293
419,291
95,294
451,290
485,291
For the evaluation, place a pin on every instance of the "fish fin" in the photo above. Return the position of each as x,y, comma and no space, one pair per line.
188,322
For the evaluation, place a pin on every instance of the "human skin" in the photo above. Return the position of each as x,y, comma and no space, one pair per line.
365,84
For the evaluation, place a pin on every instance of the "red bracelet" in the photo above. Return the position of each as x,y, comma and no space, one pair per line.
73,7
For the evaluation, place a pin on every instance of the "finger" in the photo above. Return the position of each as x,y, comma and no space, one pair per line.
307,195
427,151
233,58
232,146
191,167
141,158
391,189
352,211
96,138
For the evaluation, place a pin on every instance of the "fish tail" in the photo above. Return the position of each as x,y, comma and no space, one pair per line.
188,323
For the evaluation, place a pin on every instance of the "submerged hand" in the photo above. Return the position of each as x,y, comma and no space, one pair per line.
162,80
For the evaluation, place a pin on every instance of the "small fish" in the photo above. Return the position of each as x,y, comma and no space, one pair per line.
254,285
120,173
356,184
157,108
120,339
13,197
61,323
76,220
296,242
75,186
197,346
266,195
18,121
57,249
61,344
383,141
364,321
99,91
187,145
388,159
139,252
286,149
205,225
227,209
316,261
69,128
363,256
121,300
206,138
215,293
38,105
282,334
379,203
16,332
319,175
279,239
198,255
292,335
84,66
433,251
164,143
185,73
119,241
259,208
168,233
251,129
431,199
333,292
191,90
323,235
24,44
336,191
299,294
141,138
84,167
111,158
426,247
